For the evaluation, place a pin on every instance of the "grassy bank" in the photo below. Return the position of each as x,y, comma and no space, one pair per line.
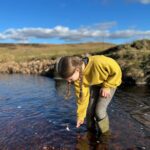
27,52
134,59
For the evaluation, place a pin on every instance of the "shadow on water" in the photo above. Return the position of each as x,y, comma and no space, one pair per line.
35,116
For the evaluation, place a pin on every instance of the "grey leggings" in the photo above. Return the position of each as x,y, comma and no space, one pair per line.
97,107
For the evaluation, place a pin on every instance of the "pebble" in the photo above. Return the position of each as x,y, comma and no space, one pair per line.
97,141
67,128
44,148
49,121
48,148
19,107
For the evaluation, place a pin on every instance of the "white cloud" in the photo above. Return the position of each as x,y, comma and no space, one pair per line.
141,1
85,33
144,1
2,37
129,34
101,26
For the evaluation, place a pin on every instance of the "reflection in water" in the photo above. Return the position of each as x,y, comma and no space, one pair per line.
88,141
34,116
60,86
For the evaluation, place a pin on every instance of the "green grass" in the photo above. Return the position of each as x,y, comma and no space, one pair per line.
26,52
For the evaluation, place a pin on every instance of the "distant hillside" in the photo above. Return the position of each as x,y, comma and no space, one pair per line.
28,52
134,59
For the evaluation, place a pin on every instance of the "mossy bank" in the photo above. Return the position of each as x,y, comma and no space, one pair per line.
134,58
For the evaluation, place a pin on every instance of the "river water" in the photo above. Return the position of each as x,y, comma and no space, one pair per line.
35,116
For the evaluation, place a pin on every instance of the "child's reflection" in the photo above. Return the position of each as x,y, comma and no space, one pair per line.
88,142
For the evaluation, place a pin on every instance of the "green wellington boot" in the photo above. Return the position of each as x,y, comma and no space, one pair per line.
104,125
104,134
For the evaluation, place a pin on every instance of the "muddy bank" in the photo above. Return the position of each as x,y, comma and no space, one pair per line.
39,67
46,67
133,58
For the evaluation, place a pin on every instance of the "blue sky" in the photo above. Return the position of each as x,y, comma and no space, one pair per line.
74,21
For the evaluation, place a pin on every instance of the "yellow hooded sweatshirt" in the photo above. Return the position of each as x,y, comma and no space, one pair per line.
100,70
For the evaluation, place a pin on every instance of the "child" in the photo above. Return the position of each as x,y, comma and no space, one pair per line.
96,79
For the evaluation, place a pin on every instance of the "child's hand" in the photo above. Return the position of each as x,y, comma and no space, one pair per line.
79,123
105,92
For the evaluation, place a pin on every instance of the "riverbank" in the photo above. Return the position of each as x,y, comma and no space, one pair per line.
39,67
133,58
40,58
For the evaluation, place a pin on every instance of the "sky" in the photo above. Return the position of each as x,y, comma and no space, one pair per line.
74,21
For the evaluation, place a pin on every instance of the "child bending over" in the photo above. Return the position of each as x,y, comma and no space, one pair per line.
96,79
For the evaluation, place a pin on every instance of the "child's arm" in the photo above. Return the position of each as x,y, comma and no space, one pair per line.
82,103
79,123
113,73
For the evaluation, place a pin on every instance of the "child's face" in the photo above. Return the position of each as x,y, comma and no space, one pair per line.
74,77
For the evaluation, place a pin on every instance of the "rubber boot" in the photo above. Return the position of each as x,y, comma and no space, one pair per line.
104,125
104,132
